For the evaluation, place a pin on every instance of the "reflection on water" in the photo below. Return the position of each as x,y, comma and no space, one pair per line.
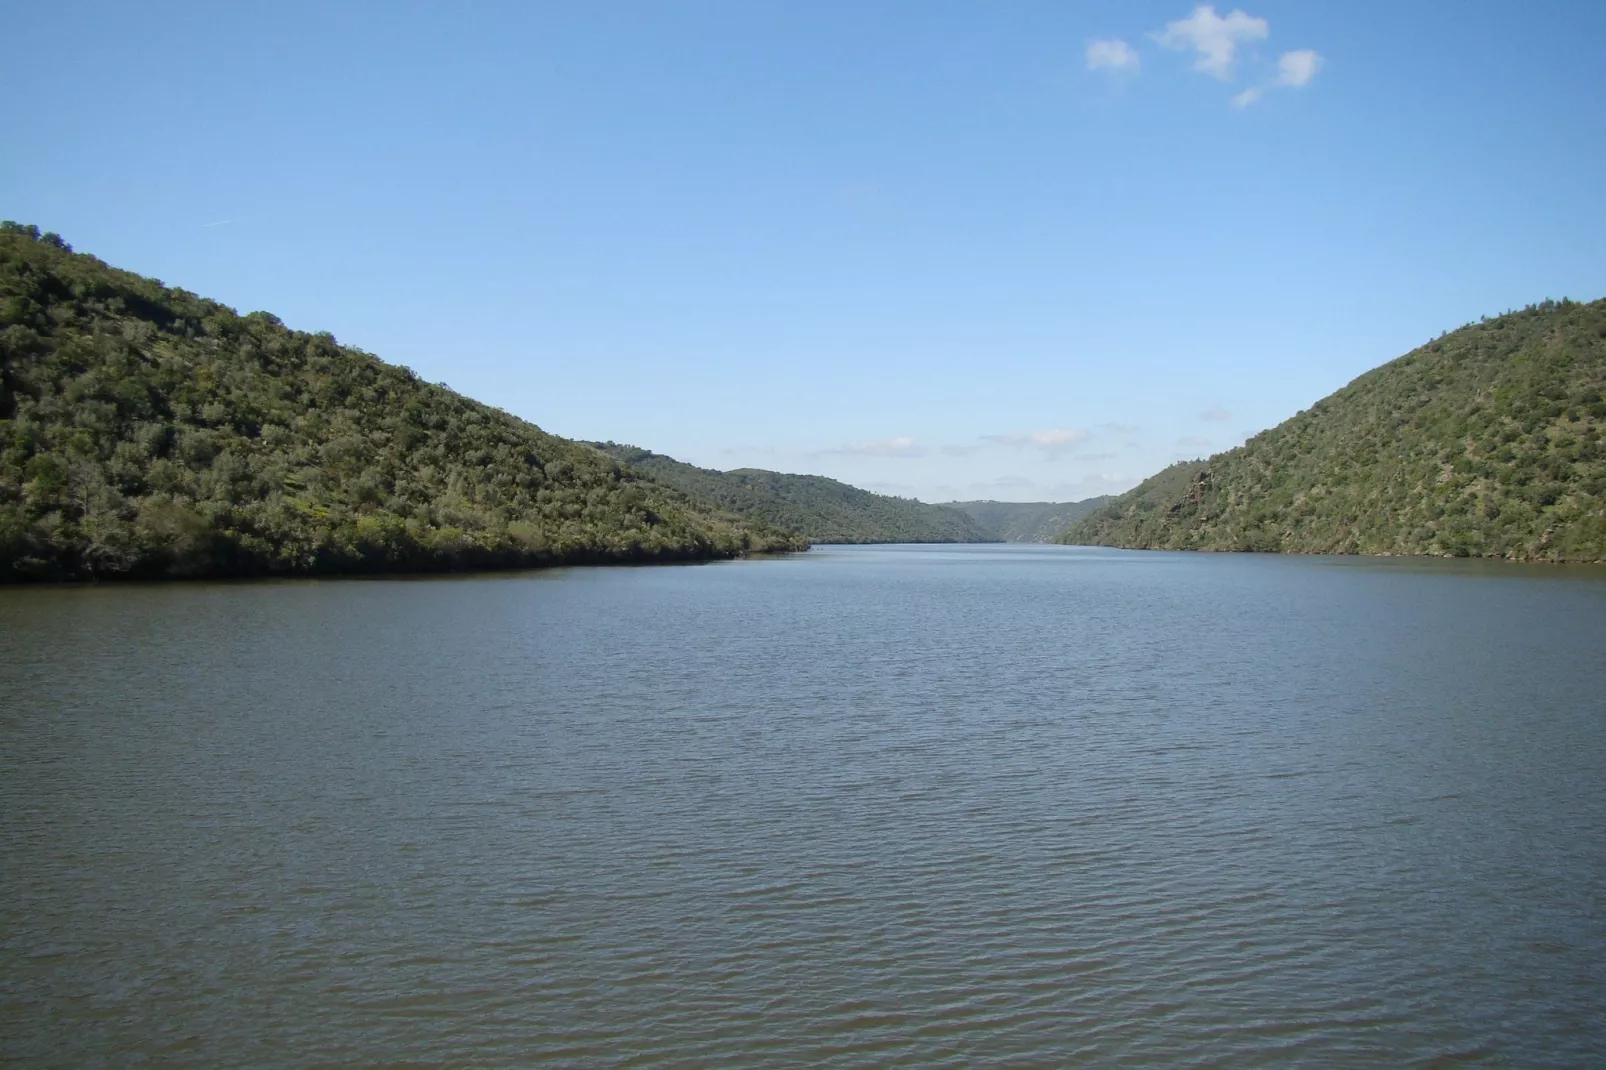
866,806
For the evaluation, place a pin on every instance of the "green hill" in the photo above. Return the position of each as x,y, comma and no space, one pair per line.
1485,443
145,431
819,509
1028,521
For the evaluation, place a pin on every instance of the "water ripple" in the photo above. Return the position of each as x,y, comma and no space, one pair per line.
892,807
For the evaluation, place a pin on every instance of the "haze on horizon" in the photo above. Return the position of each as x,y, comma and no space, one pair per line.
946,251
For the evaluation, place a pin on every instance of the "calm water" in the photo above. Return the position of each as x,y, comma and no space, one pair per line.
1025,806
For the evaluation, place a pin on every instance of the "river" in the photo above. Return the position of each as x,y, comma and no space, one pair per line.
889,806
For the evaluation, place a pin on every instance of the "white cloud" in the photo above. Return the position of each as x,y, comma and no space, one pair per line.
898,446
1214,39
1112,55
1122,429
1216,413
1058,436
1296,69
1053,438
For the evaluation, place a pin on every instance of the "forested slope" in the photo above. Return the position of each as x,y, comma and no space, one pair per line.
1028,521
1487,442
819,509
145,431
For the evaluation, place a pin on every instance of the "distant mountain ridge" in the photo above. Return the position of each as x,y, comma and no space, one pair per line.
148,432
1487,443
1028,521
819,509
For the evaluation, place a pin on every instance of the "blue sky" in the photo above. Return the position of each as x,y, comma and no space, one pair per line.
1015,250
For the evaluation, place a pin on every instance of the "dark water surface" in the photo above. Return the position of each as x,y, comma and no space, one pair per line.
1024,806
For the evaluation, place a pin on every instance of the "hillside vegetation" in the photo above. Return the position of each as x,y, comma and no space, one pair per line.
819,509
1028,521
1485,443
145,431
